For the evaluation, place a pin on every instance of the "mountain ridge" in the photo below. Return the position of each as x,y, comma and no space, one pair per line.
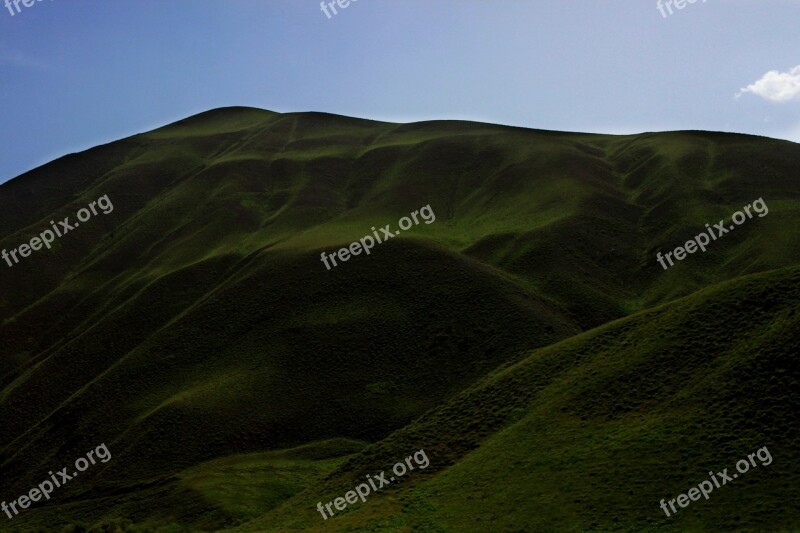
200,306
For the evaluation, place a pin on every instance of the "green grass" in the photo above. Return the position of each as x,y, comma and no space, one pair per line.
196,323
591,433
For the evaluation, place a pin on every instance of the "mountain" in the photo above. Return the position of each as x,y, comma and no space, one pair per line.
589,434
195,330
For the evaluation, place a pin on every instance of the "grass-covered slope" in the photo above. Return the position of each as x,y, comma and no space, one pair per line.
578,216
196,321
209,496
591,433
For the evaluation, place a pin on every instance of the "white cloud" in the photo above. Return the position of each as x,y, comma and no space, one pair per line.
778,87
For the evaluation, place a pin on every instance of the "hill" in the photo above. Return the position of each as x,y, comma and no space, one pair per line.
195,321
590,434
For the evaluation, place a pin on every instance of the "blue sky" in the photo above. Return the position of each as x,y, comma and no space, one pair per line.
76,73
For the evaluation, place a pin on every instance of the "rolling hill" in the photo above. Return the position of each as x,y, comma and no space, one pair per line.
195,331
589,434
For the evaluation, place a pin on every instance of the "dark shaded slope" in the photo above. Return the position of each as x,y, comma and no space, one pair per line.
196,320
591,433
273,357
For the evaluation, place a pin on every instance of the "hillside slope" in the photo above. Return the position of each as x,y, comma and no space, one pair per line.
591,433
195,321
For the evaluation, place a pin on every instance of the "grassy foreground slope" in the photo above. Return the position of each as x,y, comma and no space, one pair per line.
273,357
591,433
196,321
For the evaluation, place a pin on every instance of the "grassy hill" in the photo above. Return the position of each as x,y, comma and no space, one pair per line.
591,433
196,332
